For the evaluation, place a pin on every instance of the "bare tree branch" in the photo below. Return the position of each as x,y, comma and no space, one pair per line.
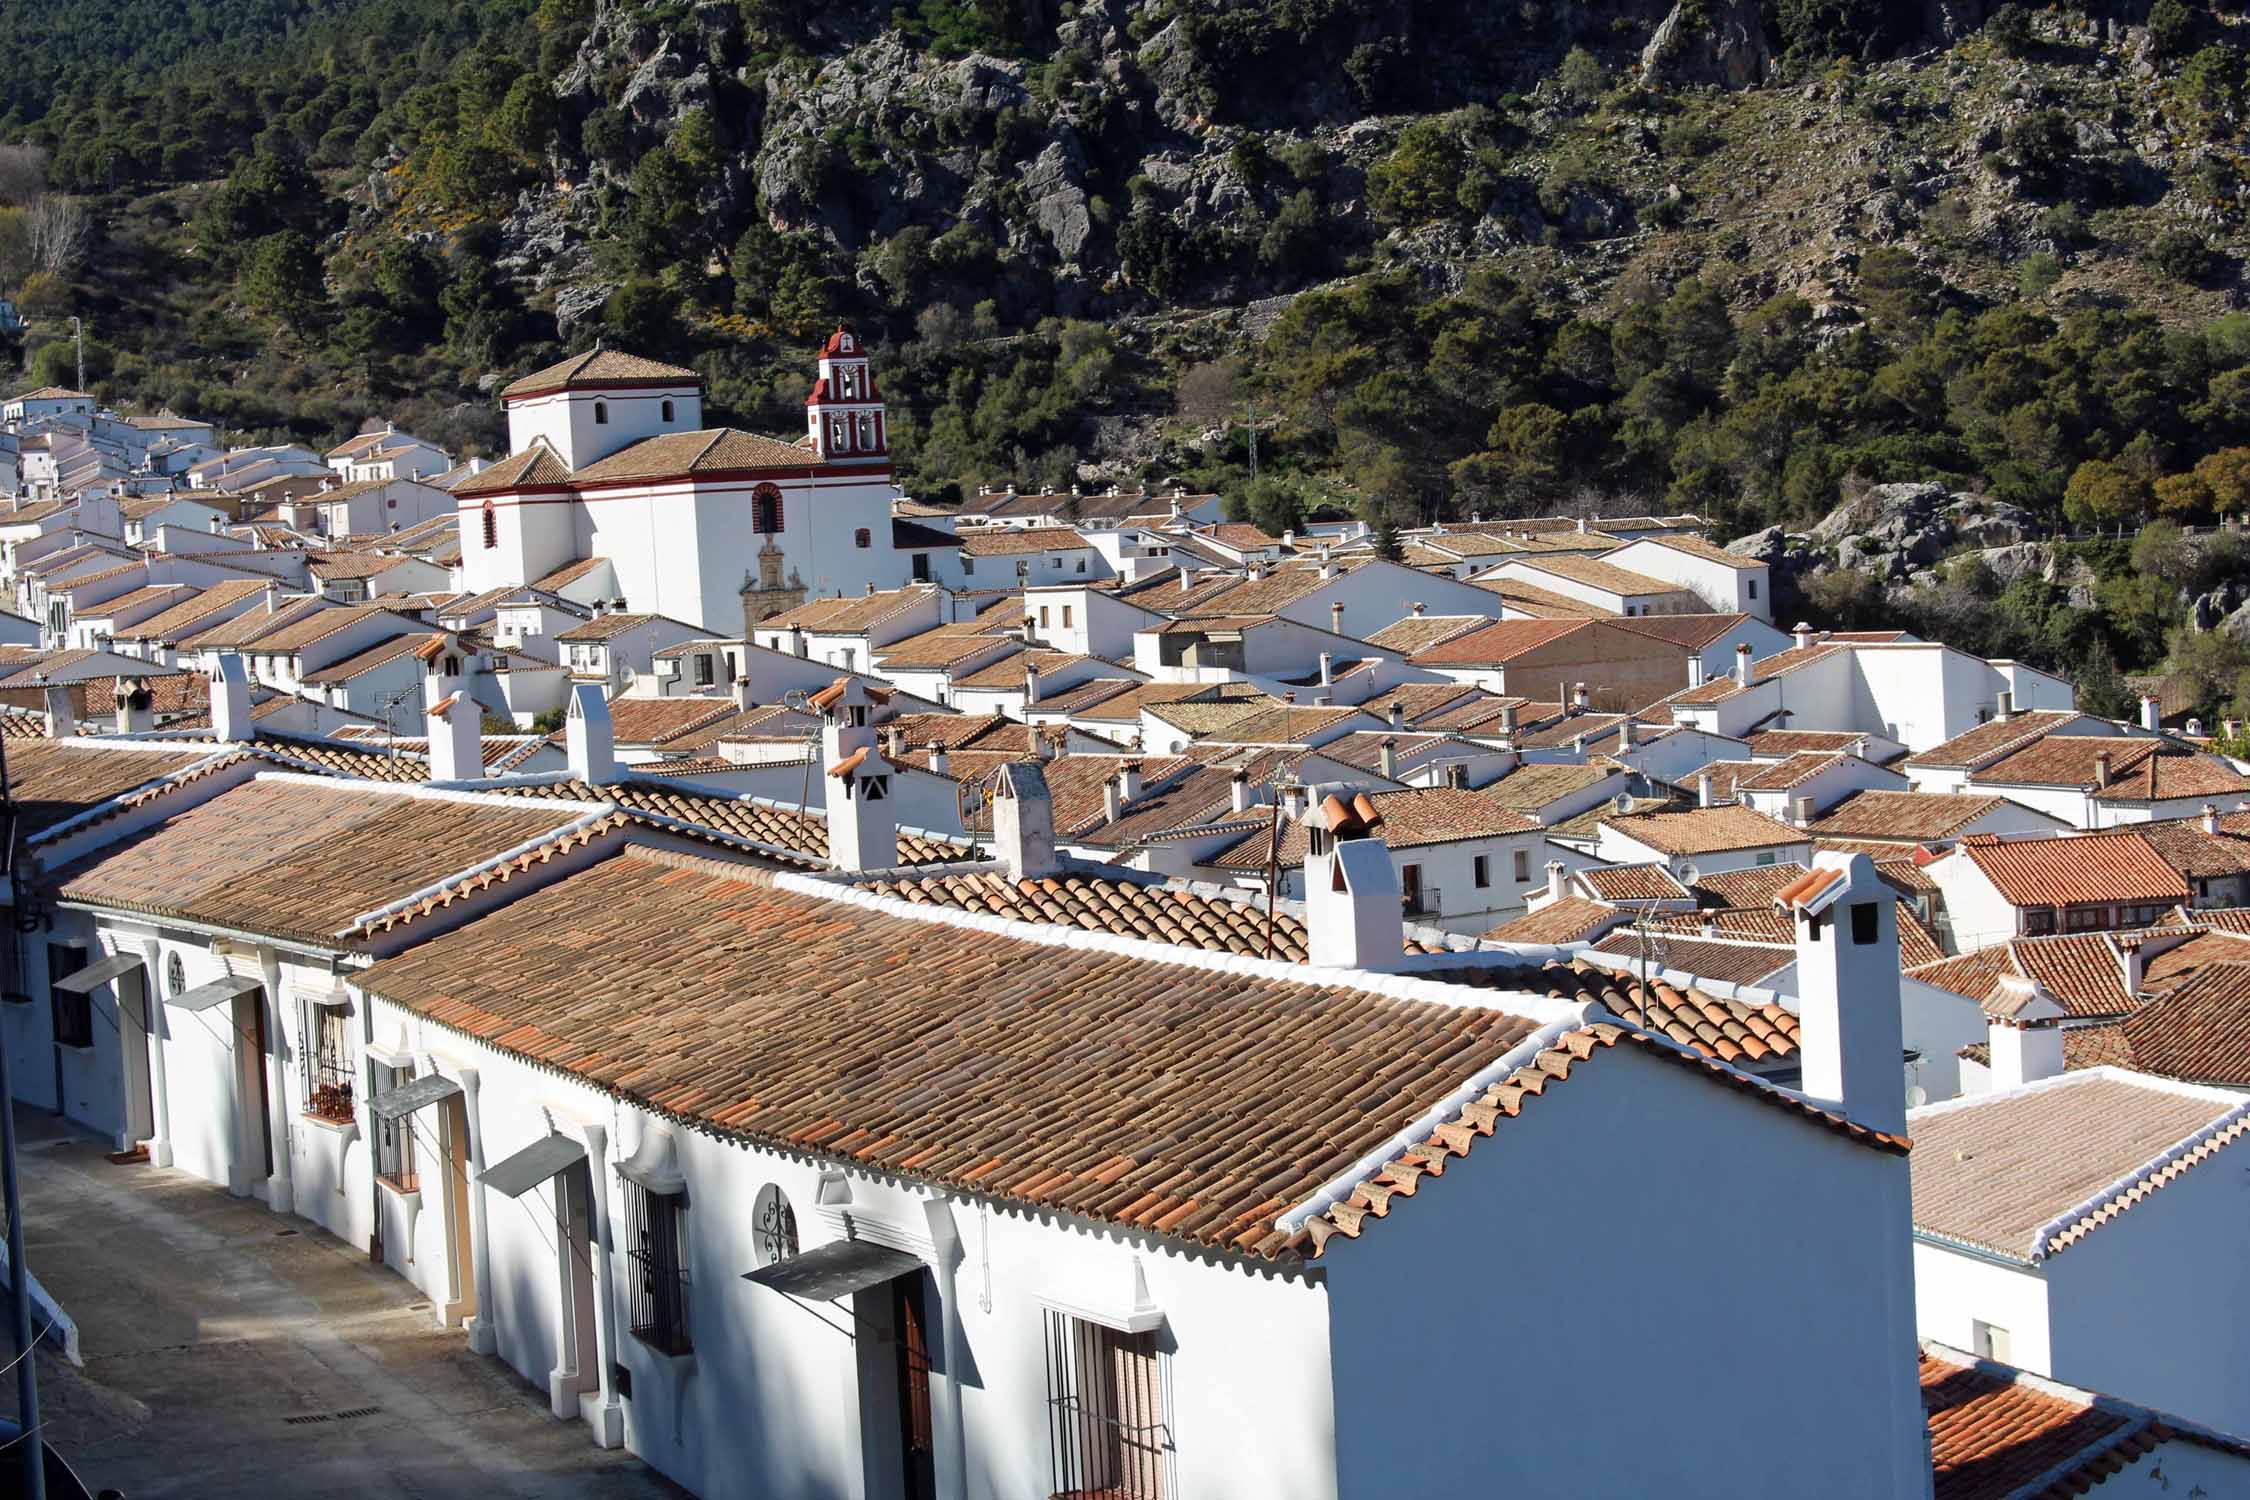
61,232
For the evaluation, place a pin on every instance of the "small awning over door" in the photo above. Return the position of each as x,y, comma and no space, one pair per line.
835,1270
409,1097
218,991
98,973
534,1164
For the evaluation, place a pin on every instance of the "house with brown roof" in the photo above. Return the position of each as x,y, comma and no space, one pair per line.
1931,820
2097,782
1547,660
617,648
851,632
1723,582
1995,889
1615,590
1702,840
2084,1227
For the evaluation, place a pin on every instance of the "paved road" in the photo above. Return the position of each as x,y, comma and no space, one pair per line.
207,1323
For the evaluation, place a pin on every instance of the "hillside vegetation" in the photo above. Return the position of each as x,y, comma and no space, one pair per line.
1450,258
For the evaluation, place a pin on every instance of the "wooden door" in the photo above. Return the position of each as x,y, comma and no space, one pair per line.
912,1341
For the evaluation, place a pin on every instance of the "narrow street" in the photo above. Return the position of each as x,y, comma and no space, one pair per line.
232,1353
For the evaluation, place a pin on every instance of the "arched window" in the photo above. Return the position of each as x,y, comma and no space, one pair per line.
765,509
601,413
840,432
667,411
491,525
866,430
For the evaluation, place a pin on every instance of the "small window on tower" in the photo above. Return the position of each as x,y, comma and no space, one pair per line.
840,433
601,413
1867,923
491,525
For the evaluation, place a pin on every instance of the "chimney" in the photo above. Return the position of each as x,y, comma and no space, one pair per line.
1023,821
62,719
1129,780
1336,618
1802,636
862,835
2023,1027
136,712
1508,718
1390,758
1557,880
2101,769
1694,671
2152,714
2210,818
2005,708
941,759
2132,964
451,716
1030,683
1802,808
1625,733
1327,668
1113,801
1187,583
1583,528
1851,1035
743,697
894,741
1742,665
230,700
1578,697
1396,715
1420,609
588,737
1293,802
1352,896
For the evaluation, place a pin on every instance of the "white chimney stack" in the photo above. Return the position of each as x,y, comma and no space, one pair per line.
1336,618
1238,792
1113,801
587,736
1802,636
1694,671
1396,715
452,719
1742,665
136,707
1129,780
1420,609
1703,789
1030,683
1390,758
862,834
1557,880
2210,818
230,700
2152,713
1327,668
743,698
1352,896
1852,1041
1578,697
1023,821
2004,708
2023,1028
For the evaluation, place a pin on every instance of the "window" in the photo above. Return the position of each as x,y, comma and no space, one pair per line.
1082,565
765,509
2083,919
656,1244
1410,887
1753,588
1766,858
667,411
1483,876
1991,1341
2039,919
328,1069
1867,923
394,1139
863,538
1042,617
1523,866
968,563
601,413
73,1015
1106,1402
491,526
1066,617
702,671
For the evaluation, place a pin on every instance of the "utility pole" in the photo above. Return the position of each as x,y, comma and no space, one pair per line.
19,1275
1252,408
78,332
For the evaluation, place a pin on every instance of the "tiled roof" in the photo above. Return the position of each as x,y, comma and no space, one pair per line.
297,859
852,614
1283,724
2081,970
743,817
1997,737
942,645
536,465
1363,748
1586,826
1413,818
2199,1031
1568,920
607,627
658,721
711,451
568,573
161,595
1705,830
1086,695
2076,869
1500,641
182,618
1595,573
1994,1436
382,655
1158,913
1720,960
1784,775
1419,632
2182,844
1541,604
1615,883
1007,673
1904,816
317,625
1015,541
1779,744
596,368
1989,1170
2139,769
1694,631
1531,787
1695,546
51,780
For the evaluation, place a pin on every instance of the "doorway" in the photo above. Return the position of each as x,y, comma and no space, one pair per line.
574,1222
911,1350
453,1141
136,1024
253,1117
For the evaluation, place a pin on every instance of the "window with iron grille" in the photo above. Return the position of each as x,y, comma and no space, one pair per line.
328,1069
656,1244
73,1015
1108,1429
394,1139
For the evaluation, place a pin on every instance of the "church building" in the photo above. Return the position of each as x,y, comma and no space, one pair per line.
609,457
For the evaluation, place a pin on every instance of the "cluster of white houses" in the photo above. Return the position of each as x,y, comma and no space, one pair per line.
1073,996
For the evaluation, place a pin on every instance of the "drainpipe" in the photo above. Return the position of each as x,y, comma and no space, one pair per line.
945,1242
281,1192
483,1336
609,1417
160,1142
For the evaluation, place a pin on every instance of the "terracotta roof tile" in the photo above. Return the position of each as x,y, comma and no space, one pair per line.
1705,830
1499,642
1720,960
2082,971
1904,816
1569,920
711,451
1014,541
2115,866
1991,1437
1649,882
1997,737
599,367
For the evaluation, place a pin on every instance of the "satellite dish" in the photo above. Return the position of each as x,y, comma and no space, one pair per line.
1916,1096
1622,802
1688,874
